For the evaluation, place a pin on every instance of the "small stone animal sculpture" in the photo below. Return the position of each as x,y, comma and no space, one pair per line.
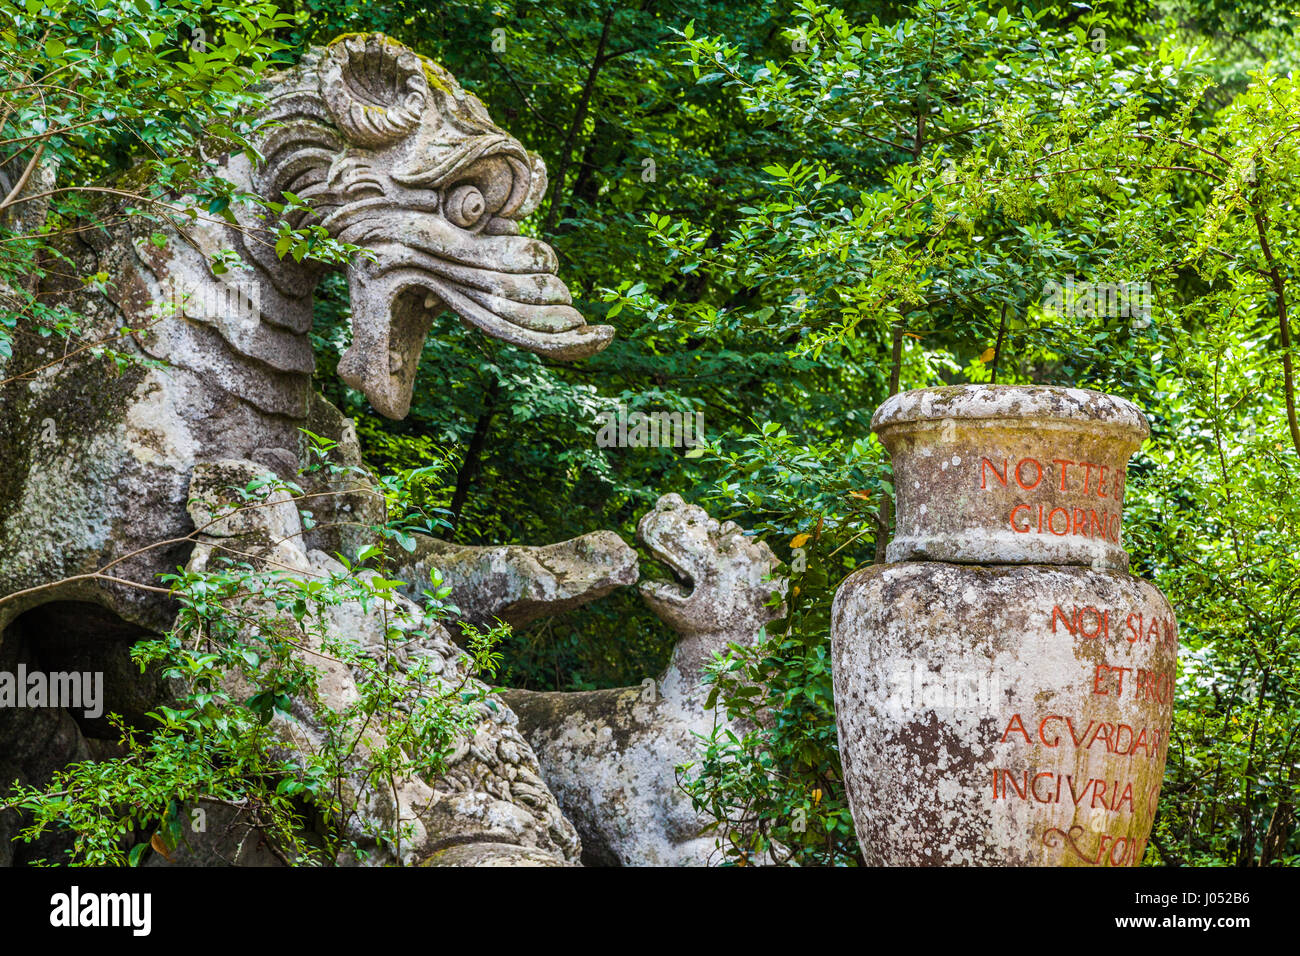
610,756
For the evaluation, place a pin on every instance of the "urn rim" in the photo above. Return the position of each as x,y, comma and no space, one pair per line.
1023,404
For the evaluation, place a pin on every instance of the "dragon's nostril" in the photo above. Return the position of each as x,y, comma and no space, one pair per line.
465,206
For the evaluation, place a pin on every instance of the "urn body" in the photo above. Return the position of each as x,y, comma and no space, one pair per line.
1014,715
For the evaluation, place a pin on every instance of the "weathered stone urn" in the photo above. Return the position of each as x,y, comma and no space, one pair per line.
1009,474
1004,689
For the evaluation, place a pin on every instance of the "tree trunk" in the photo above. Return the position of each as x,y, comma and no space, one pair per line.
580,117
473,455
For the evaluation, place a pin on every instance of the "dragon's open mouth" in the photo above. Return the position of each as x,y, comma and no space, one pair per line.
504,285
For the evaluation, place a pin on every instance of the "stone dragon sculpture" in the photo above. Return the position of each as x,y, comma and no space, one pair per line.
96,468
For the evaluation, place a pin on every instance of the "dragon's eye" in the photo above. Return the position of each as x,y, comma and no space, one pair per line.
465,205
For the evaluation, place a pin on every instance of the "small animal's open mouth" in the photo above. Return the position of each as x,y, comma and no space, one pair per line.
677,591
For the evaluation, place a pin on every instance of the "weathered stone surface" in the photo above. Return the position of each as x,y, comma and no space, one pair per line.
389,152
226,839
725,594
1006,712
30,205
492,792
1009,473
488,854
392,154
520,583
1002,715
611,756
96,464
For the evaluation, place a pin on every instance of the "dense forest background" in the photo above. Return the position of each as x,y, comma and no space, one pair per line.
791,210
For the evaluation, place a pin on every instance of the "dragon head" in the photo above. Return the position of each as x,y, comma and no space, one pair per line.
392,155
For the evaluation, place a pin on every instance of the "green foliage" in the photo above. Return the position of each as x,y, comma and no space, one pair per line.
249,649
122,110
775,788
789,212
851,200
1214,521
